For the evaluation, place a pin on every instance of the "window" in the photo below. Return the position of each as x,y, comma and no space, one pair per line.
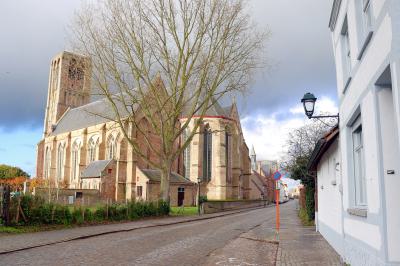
139,191
367,17
358,164
207,153
92,152
346,55
60,162
47,163
111,148
186,155
228,156
75,161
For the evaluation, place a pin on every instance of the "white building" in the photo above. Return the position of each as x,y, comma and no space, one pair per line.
359,180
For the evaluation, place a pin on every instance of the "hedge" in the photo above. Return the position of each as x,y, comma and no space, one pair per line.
37,212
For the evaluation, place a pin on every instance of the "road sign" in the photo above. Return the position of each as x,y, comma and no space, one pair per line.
277,175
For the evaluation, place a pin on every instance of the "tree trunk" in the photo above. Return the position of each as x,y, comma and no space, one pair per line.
164,185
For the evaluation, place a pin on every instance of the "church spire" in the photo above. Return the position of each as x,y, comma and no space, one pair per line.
253,159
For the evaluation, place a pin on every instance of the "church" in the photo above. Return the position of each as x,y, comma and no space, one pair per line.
82,150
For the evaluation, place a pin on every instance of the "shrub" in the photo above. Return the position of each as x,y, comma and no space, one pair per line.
163,208
77,217
310,207
100,214
203,199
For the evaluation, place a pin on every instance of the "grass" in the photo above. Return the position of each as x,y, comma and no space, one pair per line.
185,211
304,218
4,230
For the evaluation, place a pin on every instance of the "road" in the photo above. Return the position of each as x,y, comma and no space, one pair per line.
237,239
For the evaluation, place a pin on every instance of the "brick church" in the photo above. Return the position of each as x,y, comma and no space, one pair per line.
82,149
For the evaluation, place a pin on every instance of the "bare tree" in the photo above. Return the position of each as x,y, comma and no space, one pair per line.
166,59
300,144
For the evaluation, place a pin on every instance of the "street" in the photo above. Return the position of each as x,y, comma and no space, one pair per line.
244,238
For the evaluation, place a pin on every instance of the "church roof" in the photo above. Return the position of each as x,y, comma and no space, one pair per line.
101,111
95,168
154,175
215,109
91,114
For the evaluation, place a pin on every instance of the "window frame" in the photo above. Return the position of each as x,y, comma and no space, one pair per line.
346,54
60,161
186,155
207,153
358,165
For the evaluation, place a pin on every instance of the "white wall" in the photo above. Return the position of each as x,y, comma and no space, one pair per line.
329,198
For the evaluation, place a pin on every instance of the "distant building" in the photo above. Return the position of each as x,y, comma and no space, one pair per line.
358,175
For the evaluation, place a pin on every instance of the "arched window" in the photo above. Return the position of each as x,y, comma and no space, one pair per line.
92,150
228,155
60,162
111,148
207,153
47,162
186,155
75,161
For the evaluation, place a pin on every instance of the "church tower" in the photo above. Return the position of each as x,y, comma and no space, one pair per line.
69,86
253,159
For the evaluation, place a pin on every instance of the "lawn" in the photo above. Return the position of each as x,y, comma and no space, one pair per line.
183,211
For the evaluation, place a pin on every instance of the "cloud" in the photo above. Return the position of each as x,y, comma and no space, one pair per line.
299,54
269,135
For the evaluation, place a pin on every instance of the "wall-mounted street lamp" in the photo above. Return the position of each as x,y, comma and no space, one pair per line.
309,103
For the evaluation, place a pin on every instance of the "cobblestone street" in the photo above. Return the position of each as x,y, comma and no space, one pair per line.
245,238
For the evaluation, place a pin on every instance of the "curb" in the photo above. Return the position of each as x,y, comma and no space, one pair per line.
3,252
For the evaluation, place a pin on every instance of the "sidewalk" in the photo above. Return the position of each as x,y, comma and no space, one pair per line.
300,245
11,243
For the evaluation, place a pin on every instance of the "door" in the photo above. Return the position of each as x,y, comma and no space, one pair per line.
181,195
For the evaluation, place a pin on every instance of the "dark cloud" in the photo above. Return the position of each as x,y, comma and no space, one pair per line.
299,52
32,32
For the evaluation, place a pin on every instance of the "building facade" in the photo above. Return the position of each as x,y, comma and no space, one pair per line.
366,44
83,149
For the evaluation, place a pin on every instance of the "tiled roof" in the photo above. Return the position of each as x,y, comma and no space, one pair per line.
91,114
95,168
155,176
101,111
215,109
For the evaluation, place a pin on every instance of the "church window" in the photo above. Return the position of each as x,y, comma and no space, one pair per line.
228,156
207,153
47,162
111,148
75,161
92,150
60,162
186,155
74,71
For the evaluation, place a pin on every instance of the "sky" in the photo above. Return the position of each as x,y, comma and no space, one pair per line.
299,55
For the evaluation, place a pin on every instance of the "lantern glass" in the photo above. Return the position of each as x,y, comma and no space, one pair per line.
309,104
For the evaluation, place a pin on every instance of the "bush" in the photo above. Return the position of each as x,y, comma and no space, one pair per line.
100,214
38,212
310,203
203,199
77,217
163,208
